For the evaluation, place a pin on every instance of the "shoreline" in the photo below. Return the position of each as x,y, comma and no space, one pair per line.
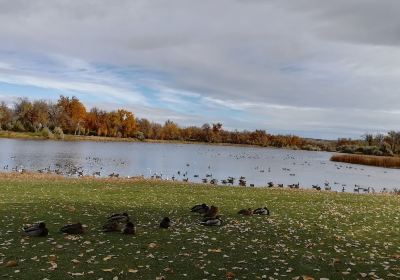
77,138
37,176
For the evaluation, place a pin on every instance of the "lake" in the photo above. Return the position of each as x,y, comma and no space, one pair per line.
193,161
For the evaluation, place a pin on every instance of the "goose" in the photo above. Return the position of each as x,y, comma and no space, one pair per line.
72,229
38,229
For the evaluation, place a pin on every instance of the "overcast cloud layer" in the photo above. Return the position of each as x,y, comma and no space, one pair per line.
316,68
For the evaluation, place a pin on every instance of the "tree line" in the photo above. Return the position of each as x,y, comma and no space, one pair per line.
69,115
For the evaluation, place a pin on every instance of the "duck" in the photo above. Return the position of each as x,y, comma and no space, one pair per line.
165,223
200,208
37,229
129,228
111,225
72,229
215,221
119,217
261,211
212,212
246,212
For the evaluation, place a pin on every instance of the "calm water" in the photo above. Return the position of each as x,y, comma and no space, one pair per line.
258,165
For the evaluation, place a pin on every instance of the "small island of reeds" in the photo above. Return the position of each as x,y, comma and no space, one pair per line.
380,161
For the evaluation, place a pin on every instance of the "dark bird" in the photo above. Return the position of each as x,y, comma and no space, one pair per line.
246,212
165,223
215,221
212,212
200,208
129,228
261,211
119,217
38,229
112,226
72,229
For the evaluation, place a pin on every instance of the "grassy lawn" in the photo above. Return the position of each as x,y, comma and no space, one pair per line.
315,234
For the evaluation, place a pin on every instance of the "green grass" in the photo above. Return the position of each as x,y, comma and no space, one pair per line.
319,234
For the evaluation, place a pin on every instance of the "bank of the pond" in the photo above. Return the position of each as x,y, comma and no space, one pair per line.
70,137
315,234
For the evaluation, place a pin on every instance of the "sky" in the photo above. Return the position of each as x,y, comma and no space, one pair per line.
321,69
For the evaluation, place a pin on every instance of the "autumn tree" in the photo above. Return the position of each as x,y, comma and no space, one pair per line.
170,131
144,126
216,129
72,115
39,115
5,115
22,112
127,123
96,122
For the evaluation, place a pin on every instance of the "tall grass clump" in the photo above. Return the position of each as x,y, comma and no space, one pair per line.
58,133
380,161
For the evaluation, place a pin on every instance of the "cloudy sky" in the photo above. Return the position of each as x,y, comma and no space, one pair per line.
314,68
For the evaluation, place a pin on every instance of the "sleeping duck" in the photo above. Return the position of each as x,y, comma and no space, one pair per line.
200,208
72,229
119,217
111,225
212,212
246,212
261,211
129,228
165,223
215,221
38,229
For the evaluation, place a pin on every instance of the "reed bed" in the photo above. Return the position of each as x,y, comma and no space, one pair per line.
380,161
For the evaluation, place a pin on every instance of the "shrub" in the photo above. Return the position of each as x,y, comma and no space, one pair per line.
47,133
139,135
310,147
18,126
58,132
386,150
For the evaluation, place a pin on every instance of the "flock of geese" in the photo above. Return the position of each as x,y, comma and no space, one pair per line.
120,222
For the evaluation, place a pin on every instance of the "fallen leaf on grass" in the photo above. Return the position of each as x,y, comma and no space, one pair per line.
152,245
215,250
